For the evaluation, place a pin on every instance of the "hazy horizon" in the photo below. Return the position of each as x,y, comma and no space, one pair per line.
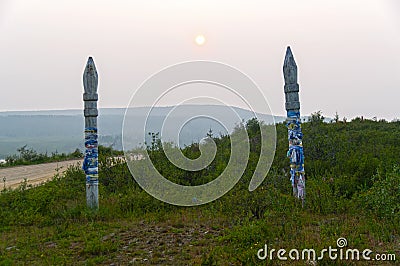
63,130
168,106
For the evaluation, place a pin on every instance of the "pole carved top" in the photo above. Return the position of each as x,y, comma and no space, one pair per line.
90,81
291,87
289,68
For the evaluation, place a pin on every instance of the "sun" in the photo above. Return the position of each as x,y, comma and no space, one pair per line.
200,40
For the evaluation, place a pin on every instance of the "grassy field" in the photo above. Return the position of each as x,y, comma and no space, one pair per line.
50,224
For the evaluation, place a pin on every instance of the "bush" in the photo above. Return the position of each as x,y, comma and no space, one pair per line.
383,198
323,195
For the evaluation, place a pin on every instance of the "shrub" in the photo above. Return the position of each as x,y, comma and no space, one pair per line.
383,198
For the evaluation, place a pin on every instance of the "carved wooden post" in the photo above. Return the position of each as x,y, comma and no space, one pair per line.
90,163
295,136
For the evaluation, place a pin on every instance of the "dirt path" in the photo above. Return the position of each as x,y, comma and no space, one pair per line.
34,174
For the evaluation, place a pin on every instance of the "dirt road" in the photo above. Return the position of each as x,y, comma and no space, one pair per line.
34,174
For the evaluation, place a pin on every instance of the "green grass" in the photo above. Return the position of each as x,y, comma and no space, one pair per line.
50,224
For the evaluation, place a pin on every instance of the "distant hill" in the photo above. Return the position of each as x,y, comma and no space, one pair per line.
62,130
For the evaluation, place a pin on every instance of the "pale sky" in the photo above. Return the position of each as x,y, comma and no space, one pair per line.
347,51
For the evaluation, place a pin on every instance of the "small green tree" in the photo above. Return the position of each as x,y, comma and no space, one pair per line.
336,118
77,153
316,118
28,155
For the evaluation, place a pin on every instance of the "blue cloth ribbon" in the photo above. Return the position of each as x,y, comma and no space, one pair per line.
90,163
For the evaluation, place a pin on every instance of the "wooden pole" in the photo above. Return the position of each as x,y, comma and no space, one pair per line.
293,123
90,163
